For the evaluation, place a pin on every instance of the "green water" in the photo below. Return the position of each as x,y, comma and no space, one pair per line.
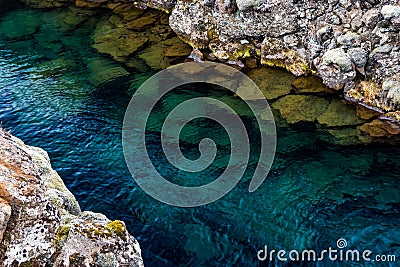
56,93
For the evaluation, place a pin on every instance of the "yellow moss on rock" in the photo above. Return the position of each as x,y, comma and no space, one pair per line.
61,234
117,227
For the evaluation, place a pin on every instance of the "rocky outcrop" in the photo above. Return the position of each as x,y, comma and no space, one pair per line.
352,44
41,223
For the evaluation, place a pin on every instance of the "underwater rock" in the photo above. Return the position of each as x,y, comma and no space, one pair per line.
178,50
127,12
41,222
344,137
301,108
48,3
154,57
118,42
339,114
141,23
133,36
17,24
379,130
309,84
272,83
104,71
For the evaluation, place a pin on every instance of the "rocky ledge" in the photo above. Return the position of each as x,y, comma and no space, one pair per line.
41,223
353,45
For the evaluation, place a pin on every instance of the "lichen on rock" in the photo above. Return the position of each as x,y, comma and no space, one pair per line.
41,222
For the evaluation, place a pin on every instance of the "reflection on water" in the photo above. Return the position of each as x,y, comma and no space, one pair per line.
57,93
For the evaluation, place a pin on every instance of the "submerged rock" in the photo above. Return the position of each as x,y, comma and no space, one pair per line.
41,223
118,42
104,71
339,114
18,25
379,130
273,83
301,108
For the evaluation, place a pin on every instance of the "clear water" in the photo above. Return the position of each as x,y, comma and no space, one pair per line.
315,194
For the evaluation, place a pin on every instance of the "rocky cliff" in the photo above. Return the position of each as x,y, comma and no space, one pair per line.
41,223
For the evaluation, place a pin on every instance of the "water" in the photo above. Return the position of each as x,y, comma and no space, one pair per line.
316,193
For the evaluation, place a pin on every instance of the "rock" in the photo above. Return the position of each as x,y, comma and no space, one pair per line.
5,213
379,130
105,71
41,223
358,56
339,58
336,68
33,219
154,57
127,12
384,49
309,84
141,23
365,113
344,137
301,108
246,4
178,50
350,39
118,42
18,24
48,3
90,3
339,114
91,239
392,90
275,53
390,11
366,92
272,83
371,17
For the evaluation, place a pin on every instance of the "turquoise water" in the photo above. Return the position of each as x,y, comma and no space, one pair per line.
54,93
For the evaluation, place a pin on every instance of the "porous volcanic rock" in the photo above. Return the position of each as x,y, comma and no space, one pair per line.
41,223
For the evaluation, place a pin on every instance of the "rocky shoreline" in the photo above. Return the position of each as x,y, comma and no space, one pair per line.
351,45
41,223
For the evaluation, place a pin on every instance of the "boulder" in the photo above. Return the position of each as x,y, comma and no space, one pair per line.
41,223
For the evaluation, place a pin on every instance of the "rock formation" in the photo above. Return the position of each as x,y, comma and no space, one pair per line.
41,222
351,44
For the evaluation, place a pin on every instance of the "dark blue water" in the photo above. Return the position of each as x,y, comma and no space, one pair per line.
316,193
